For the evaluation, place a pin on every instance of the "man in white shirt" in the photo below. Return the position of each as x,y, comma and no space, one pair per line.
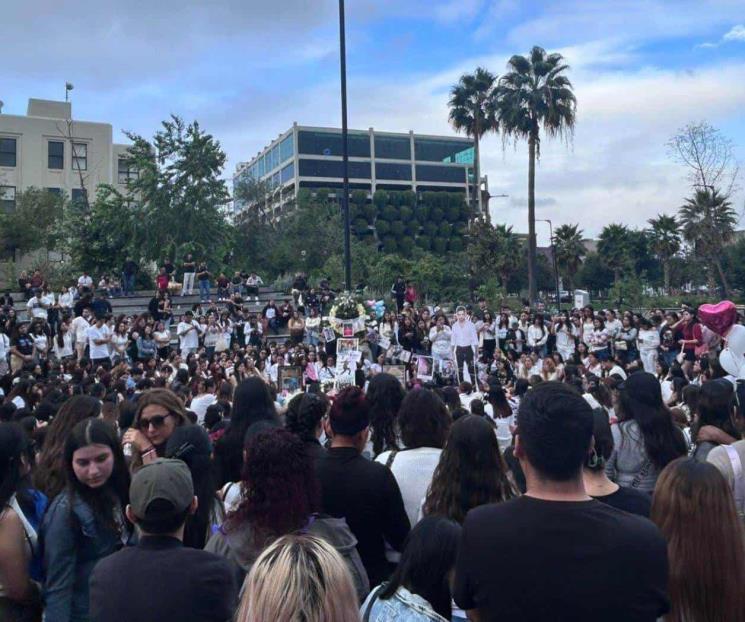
79,328
188,333
611,368
38,306
99,336
85,282
465,343
203,400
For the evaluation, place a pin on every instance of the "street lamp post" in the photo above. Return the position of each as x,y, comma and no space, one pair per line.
556,267
344,151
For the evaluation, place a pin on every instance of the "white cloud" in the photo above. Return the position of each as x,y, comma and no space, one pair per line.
457,10
737,33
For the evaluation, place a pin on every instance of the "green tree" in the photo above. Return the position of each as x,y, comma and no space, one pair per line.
35,222
569,251
494,250
664,242
707,221
535,94
594,275
472,112
615,248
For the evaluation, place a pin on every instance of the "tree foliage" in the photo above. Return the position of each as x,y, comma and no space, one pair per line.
34,223
570,250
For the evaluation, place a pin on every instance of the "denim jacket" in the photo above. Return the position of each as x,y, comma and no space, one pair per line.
73,542
403,606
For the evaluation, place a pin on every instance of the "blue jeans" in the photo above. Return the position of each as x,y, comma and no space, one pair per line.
204,289
128,283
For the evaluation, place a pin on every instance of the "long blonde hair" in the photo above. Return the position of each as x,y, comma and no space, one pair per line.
299,578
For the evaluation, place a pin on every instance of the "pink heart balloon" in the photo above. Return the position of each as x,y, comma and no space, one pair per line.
719,317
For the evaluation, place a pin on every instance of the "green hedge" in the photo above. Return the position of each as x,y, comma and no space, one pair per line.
383,227
406,213
380,198
397,228
370,212
390,212
359,197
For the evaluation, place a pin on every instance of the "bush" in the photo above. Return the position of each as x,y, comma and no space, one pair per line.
383,227
370,212
445,229
390,212
406,213
455,245
437,215
359,197
406,244
465,212
439,245
424,242
397,229
430,228
390,245
395,198
380,199
408,197
360,224
453,213
422,212
411,229
356,212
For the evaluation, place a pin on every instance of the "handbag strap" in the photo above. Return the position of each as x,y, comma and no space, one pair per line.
371,602
391,458
643,472
739,479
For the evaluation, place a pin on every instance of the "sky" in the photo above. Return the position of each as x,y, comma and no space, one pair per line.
246,69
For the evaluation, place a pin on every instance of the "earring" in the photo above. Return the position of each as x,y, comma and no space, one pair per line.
593,460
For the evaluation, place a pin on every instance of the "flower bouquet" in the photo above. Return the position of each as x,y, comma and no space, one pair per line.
348,315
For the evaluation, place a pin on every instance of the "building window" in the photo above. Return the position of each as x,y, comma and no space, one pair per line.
387,170
7,151
78,195
262,168
329,144
126,171
79,157
8,198
434,150
333,168
287,173
56,154
55,191
286,149
445,174
393,147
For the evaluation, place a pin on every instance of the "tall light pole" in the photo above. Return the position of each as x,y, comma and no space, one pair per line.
344,151
556,267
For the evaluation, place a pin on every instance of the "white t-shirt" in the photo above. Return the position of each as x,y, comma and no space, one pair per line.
413,470
66,349
35,307
200,403
65,300
98,351
79,328
85,281
190,339
41,342
118,344
4,346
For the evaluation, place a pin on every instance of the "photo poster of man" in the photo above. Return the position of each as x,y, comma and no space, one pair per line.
290,378
345,347
446,368
329,335
397,371
424,368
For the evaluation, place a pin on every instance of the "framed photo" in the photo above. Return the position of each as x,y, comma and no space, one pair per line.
384,342
446,368
290,378
405,356
344,346
398,371
424,368
347,329
329,335
344,379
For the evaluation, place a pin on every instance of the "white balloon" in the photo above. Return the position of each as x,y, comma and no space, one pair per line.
732,363
736,339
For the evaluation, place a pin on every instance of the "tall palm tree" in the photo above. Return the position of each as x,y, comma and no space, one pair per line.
665,242
508,253
569,250
614,248
472,112
708,221
535,94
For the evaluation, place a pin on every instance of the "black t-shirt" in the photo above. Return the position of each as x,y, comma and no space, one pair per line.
534,560
24,344
629,500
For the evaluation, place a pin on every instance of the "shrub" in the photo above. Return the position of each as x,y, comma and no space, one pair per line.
356,211
439,245
424,242
406,213
390,212
455,245
453,213
383,227
359,197
380,198
437,215
430,228
370,212
406,245
445,229
360,224
411,228
390,245
408,197
397,229
395,197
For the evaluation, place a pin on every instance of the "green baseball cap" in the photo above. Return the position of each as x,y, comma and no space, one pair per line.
166,481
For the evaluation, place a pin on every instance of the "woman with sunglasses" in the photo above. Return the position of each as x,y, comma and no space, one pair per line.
159,413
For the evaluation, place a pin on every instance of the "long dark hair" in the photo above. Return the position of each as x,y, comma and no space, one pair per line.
716,406
114,495
663,441
191,444
49,475
14,446
426,563
385,395
424,420
471,471
279,486
252,402
498,400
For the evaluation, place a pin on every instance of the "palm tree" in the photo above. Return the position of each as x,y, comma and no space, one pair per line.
507,259
708,223
665,242
471,111
614,247
569,250
535,94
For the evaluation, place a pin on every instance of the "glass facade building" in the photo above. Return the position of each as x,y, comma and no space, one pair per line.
311,157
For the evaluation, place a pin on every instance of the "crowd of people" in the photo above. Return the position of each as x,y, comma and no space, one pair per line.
473,464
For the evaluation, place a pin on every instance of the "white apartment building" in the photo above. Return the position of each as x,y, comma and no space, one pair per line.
49,149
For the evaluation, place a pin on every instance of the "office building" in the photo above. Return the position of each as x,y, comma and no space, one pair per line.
49,149
311,157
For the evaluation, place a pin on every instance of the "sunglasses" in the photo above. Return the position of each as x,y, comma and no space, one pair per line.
156,421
